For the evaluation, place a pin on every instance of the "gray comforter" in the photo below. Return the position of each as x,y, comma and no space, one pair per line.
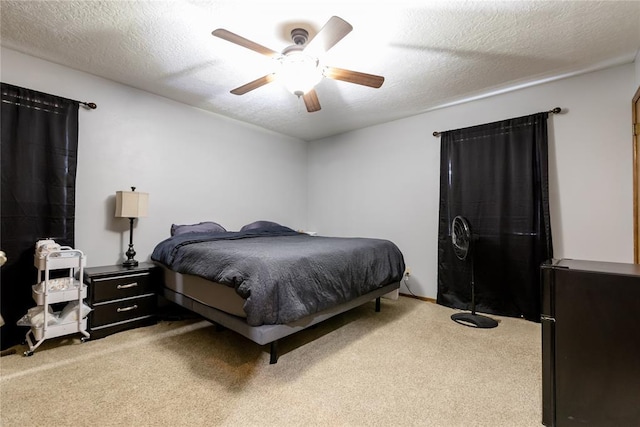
284,275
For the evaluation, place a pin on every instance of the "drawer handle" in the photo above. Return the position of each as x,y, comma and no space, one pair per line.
130,285
133,307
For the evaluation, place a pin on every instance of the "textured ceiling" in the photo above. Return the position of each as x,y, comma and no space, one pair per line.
431,53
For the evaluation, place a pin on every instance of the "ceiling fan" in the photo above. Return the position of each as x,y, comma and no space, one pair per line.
300,68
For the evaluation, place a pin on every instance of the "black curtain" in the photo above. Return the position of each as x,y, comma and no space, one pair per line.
39,156
496,176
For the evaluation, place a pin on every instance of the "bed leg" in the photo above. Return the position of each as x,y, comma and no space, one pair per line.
274,353
378,305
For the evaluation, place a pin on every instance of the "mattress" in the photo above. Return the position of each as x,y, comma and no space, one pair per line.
212,294
216,295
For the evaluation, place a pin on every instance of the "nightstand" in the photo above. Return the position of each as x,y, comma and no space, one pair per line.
121,297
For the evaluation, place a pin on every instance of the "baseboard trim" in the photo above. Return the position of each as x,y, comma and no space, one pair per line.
427,299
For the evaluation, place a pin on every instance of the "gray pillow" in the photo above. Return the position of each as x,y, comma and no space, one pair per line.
201,227
259,224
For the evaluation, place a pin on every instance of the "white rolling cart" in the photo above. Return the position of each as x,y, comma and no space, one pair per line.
53,291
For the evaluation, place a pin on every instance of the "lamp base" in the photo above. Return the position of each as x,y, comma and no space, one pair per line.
131,253
130,263
474,320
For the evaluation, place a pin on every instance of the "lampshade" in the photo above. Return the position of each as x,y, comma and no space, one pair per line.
131,204
299,73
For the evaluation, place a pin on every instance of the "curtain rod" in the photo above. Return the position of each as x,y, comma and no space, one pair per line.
90,105
556,110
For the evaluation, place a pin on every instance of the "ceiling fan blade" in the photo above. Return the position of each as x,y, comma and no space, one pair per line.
311,101
241,41
356,77
333,31
254,84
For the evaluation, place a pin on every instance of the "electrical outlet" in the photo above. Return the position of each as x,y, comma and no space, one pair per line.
407,272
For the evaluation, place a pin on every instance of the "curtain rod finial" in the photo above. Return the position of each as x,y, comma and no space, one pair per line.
556,110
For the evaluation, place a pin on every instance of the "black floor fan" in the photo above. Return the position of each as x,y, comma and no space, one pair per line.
462,240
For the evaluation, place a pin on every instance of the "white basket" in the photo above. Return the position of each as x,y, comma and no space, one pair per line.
59,296
67,258
58,330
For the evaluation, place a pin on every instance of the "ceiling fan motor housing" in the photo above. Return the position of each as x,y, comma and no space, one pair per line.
299,36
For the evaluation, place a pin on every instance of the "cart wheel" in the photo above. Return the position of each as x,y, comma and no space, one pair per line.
83,339
28,353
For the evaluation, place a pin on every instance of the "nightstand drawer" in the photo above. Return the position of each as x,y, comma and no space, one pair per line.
123,286
122,310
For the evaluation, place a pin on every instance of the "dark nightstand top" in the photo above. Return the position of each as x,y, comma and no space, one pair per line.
113,270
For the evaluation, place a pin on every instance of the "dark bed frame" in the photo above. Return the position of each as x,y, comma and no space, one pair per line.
270,334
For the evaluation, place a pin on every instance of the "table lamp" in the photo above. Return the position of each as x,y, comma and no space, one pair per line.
131,204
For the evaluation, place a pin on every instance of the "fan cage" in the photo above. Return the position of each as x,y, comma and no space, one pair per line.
460,237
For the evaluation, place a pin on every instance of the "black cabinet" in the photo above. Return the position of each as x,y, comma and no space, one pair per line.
121,297
590,344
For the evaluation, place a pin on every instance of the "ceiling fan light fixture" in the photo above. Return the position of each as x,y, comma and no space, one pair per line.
299,72
298,67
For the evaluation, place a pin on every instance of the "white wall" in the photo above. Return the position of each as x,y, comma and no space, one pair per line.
195,165
383,181
380,181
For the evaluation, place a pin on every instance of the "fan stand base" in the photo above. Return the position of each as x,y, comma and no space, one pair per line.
474,320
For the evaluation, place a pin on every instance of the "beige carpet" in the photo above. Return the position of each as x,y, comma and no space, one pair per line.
408,365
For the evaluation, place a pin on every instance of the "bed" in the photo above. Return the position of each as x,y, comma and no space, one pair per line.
268,281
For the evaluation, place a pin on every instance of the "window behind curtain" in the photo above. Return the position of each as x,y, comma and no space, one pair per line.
496,176
38,157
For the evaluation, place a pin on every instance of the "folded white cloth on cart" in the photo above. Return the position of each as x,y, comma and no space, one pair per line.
35,317
61,284
70,312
